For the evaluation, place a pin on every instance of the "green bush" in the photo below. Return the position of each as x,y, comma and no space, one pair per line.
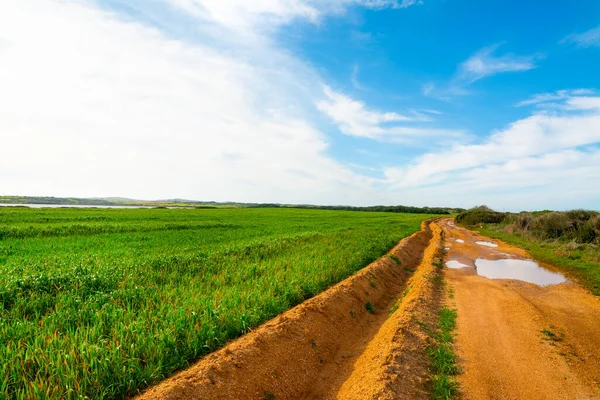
480,215
579,226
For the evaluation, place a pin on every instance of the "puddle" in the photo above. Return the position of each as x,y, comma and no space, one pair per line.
446,248
523,270
488,244
456,264
460,240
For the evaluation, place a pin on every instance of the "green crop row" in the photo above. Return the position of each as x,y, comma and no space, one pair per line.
98,303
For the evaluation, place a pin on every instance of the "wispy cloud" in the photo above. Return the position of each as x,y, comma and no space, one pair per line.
446,91
354,118
543,98
589,38
378,4
484,63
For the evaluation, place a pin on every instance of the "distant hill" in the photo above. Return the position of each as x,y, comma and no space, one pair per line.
123,201
105,201
54,200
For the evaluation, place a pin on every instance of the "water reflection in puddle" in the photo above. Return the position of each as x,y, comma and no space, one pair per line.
488,244
460,240
523,270
456,264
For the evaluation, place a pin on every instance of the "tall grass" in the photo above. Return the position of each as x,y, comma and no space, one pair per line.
101,303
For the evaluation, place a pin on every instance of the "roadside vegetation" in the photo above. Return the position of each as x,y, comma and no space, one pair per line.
101,303
569,240
444,362
443,358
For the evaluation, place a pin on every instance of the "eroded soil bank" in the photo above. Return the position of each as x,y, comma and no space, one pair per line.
344,343
520,340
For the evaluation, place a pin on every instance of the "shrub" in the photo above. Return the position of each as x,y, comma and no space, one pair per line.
552,226
578,226
479,215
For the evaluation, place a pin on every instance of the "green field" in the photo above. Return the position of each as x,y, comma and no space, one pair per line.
100,303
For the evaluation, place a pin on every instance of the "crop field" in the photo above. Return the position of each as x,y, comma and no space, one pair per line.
100,303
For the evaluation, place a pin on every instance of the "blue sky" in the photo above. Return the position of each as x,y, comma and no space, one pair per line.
363,102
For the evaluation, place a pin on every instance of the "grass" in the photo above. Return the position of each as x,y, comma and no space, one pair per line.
101,303
369,307
581,261
395,258
549,335
443,358
269,396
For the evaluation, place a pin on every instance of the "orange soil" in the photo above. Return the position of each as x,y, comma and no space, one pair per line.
504,353
330,346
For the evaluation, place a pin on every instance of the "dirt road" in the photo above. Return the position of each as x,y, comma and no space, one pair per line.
516,339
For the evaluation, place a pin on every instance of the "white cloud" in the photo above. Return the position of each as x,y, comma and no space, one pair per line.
560,180
265,14
378,4
535,151
354,118
484,63
91,105
589,38
543,98
589,103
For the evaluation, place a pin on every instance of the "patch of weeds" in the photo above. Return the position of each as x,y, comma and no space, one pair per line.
437,280
269,395
443,359
406,291
444,387
393,309
438,263
352,314
451,292
369,307
373,285
549,335
313,343
395,258
411,270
